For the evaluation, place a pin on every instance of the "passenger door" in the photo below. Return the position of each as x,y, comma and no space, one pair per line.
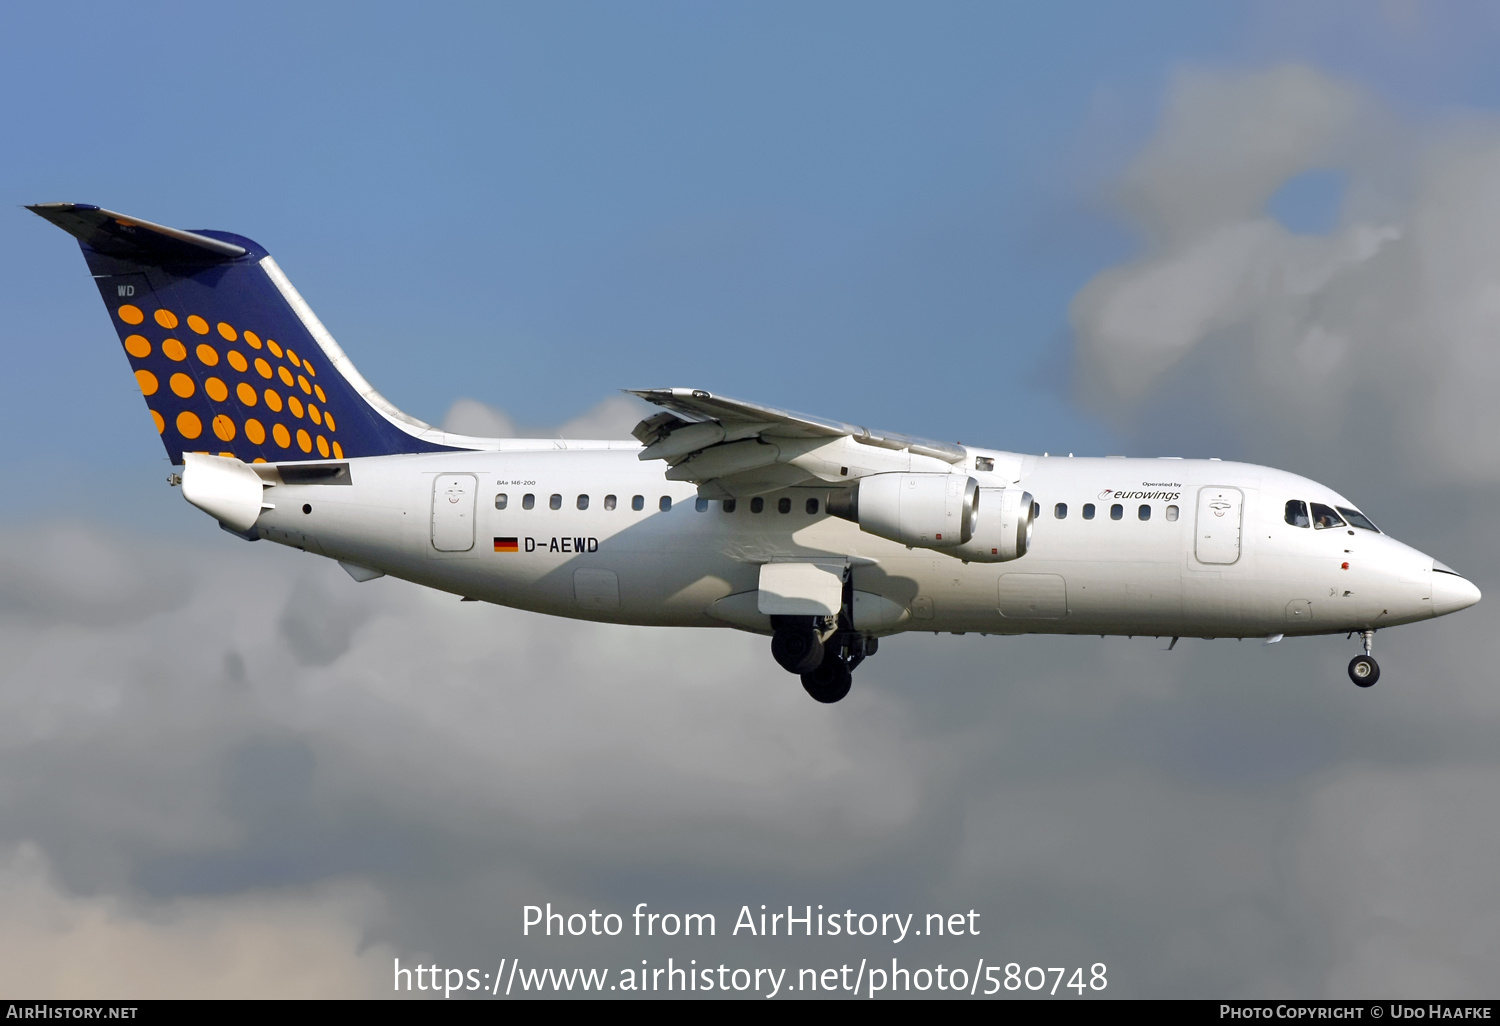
453,512
1220,511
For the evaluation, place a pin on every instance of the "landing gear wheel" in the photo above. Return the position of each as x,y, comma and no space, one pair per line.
830,681
797,650
1364,671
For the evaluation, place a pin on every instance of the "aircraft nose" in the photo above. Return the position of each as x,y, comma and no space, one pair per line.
1450,591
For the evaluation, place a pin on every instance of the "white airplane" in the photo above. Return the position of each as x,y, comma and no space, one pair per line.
721,513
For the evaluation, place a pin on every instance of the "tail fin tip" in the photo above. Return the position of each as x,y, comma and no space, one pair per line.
120,235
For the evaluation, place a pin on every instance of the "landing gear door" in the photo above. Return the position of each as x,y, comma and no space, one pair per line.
453,512
1220,511
801,589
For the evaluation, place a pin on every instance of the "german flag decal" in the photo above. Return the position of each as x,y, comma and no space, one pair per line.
506,545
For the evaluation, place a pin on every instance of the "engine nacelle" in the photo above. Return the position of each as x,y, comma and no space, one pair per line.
929,511
1003,519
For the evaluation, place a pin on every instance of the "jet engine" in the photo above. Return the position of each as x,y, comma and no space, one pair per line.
929,511
946,512
1002,527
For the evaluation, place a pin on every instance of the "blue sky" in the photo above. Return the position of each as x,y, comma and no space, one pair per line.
875,212
872,212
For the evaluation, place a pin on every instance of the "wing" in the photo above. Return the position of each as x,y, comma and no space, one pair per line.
732,449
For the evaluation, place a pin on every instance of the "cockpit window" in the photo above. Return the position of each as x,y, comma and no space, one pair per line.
1296,513
1323,516
1357,519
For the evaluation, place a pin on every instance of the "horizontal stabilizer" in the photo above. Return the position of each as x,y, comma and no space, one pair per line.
134,239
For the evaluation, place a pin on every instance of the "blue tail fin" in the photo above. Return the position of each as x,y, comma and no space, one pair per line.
230,358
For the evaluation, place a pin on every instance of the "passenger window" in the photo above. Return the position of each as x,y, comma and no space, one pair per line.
1324,517
783,505
528,500
1357,519
757,504
1060,511
665,503
501,500
583,502
609,502
812,506
638,503
729,505
1088,511
1144,512
701,505
1036,510
1296,513
1171,512
1116,512
555,502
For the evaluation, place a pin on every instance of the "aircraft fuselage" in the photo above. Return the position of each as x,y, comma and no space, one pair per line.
1164,562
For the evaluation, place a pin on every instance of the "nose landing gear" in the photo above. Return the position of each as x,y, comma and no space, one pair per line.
1363,669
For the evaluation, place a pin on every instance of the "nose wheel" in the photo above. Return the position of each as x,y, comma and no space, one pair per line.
1363,669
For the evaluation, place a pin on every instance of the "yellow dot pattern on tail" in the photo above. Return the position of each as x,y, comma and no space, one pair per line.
231,387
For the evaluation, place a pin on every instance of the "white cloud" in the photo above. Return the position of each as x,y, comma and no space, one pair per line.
472,417
310,944
198,769
1400,864
186,777
1385,330
1227,142
612,417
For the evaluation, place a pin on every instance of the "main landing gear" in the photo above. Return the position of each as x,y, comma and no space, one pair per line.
1363,669
797,646
824,659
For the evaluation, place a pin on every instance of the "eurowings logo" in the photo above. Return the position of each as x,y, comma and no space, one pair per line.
1109,493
